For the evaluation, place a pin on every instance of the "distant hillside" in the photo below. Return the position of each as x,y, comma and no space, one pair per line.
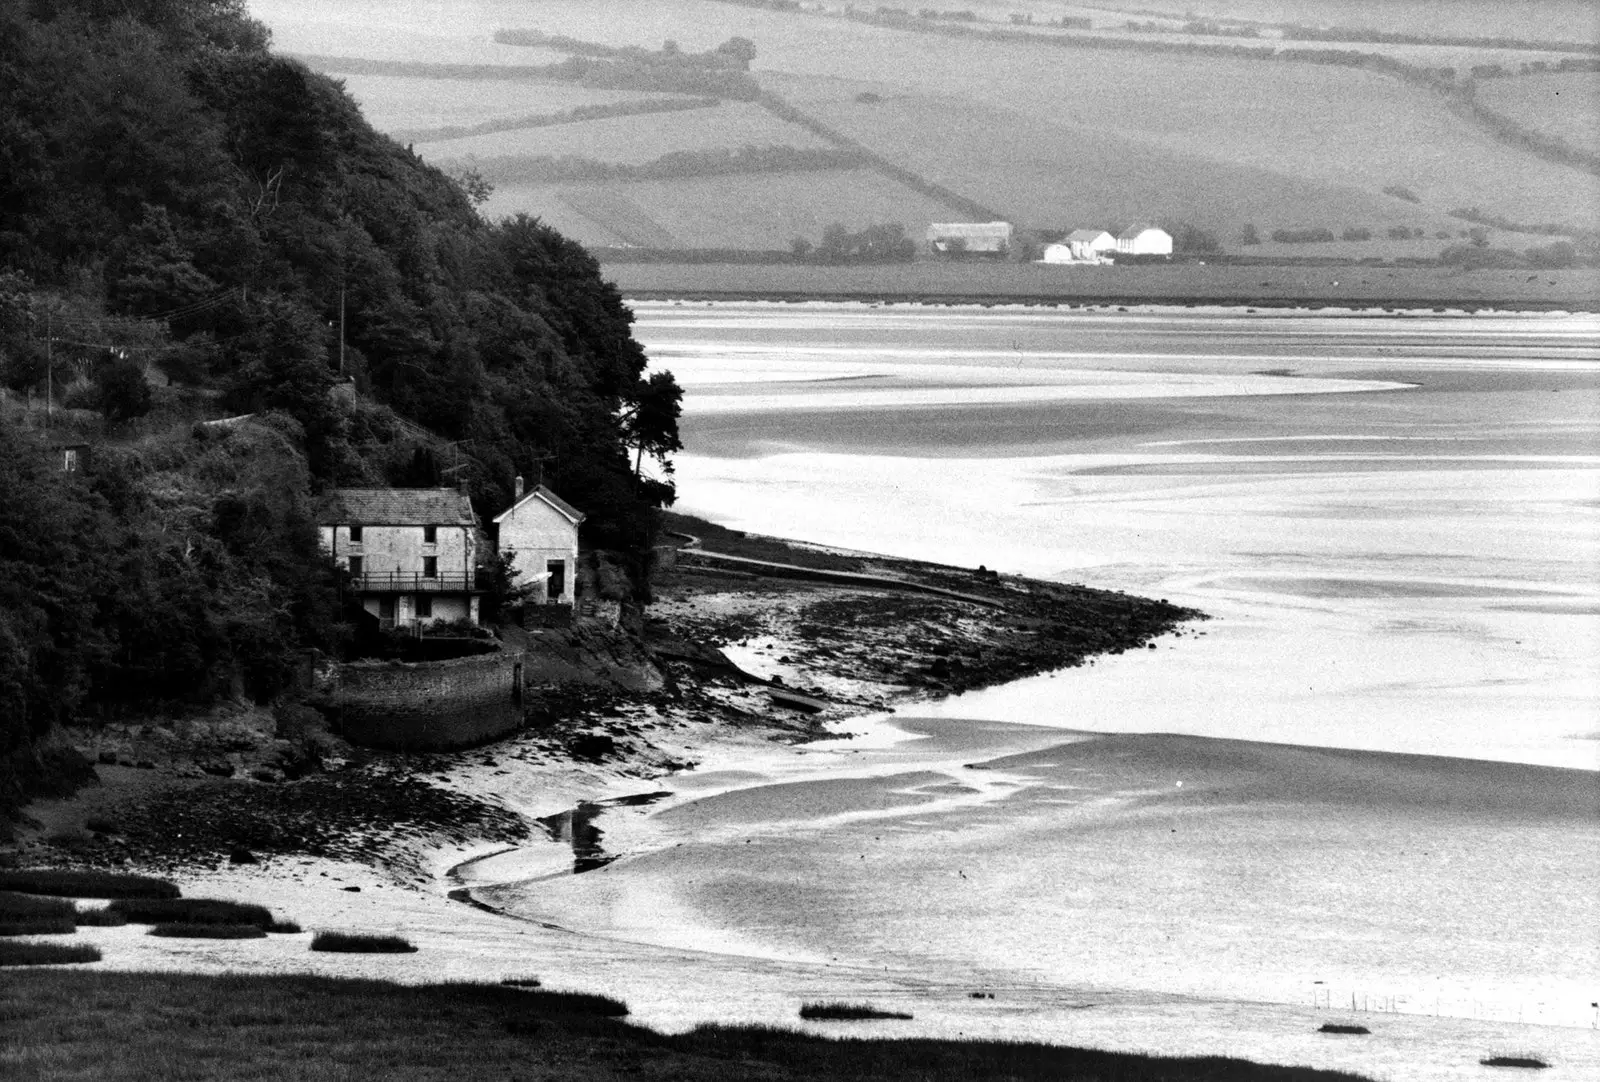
1044,122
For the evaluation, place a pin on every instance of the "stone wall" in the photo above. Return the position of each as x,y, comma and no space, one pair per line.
427,705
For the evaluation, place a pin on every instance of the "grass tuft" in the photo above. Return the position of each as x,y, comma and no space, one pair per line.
100,918
284,927
537,1002
521,982
15,906
38,926
191,911
845,1012
46,954
1515,1061
1340,1027
349,943
194,930
69,884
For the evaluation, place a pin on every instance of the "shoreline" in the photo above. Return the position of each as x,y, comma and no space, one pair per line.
1372,289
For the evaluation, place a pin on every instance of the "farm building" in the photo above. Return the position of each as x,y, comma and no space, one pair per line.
973,238
539,535
1144,240
1082,246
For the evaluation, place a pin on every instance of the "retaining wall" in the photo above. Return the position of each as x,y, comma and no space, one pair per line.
427,705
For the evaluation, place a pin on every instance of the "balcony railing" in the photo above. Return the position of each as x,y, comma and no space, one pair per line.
413,582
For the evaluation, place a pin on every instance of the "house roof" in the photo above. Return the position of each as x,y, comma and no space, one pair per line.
1139,230
543,494
969,229
396,507
1087,234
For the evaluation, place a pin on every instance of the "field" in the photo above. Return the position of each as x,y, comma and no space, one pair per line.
1348,286
1058,175
1046,135
1565,106
634,139
764,210
403,106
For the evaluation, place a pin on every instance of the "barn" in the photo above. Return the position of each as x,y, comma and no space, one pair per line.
1144,240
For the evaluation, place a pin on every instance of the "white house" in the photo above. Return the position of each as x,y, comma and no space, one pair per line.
1090,243
973,238
1144,240
411,552
539,535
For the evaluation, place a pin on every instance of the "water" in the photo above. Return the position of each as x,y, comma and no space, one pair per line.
1368,781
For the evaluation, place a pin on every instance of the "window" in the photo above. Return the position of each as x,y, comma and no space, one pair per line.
430,535
355,567
424,606
430,567
355,535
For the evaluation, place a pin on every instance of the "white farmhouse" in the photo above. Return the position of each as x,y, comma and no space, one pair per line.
1144,240
1090,243
411,552
539,535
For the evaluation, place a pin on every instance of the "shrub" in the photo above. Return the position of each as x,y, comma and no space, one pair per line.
191,911
348,943
195,930
24,907
46,954
845,1012
67,884
38,926
100,918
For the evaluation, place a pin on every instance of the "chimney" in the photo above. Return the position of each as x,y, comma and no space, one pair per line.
518,488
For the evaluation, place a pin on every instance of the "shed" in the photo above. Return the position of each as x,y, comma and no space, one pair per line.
984,238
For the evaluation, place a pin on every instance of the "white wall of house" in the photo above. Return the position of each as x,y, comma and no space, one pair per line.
1145,242
542,545
404,549
406,608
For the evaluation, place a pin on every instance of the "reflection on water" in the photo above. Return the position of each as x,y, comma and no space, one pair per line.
576,826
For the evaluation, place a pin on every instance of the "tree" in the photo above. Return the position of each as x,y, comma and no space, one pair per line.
650,423
121,391
1249,234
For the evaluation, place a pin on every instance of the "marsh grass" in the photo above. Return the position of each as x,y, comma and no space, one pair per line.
846,1012
1340,1027
38,926
1532,1062
191,911
284,927
193,930
46,954
84,884
100,918
14,906
350,943
124,1027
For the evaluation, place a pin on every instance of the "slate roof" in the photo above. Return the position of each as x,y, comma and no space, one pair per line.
543,493
396,507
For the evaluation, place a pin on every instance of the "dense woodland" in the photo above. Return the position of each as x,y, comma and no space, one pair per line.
185,220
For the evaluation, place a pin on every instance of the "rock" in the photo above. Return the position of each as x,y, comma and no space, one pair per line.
242,856
109,758
220,768
352,890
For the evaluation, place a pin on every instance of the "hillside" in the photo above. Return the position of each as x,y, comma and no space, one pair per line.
193,228
1242,121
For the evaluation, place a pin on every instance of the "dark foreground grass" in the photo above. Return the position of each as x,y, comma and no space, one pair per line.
45,954
349,943
38,926
191,911
1515,1061
192,930
68,1025
14,906
845,1012
99,918
66,884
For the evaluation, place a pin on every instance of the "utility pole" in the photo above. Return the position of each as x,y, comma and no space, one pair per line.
49,367
341,329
